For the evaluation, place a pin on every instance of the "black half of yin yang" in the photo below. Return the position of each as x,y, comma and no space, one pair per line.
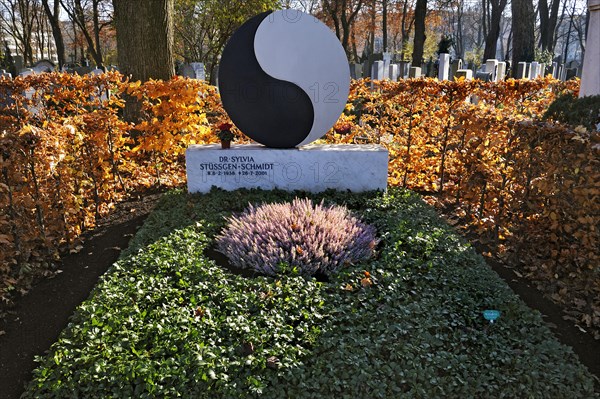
273,112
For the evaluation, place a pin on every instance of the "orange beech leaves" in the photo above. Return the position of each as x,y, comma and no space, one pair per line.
528,189
66,157
478,151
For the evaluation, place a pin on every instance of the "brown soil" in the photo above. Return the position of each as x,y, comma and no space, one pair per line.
39,317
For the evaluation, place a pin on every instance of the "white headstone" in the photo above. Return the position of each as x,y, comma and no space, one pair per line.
26,72
542,70
535,70
443,66
491,66
414,72
4,74
529,71
394,72
501,71
377,71
554,70
313,168
96,71
590,75
466,73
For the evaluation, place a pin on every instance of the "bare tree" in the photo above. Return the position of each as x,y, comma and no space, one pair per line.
86,14
548,21
407,23
492,17
578,23
17,20
53,15
342,13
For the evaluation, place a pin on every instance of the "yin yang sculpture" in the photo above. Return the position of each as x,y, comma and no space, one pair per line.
284,78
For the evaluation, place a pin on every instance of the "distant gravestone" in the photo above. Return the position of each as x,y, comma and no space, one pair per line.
491,67
563,72
387,61
394,72
18,61
501,71
455,65
571,73
521,70
43,66
484,76
35,106
377,72
554,70
414,72
4,74
186,71
199,71
443,66
103,93
356,71
529,72
404,67
366,67
26,72
430,72
535,70
83,70
464,73
352,68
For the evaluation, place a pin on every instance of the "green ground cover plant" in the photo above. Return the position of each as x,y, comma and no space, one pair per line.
166,321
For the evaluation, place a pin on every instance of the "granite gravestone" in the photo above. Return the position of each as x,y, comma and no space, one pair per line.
284,81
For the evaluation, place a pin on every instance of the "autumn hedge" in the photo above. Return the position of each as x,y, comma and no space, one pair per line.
479,151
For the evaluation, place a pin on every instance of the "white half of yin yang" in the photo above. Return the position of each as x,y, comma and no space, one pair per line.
296,47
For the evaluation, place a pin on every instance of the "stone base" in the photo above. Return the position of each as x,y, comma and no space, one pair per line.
312,168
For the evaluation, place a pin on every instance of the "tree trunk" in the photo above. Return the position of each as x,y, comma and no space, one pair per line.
419,42
523,32
491,39
94,50
144,43
145,38
54,19
548,20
